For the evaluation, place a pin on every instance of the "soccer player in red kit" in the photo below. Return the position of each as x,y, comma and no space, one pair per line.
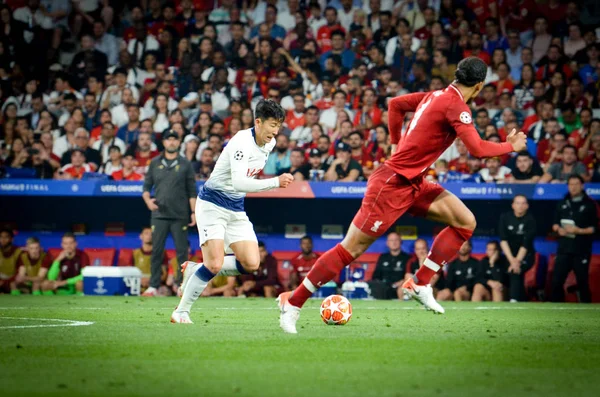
398,186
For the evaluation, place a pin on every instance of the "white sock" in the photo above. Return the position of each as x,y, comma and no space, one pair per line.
231,267
194,288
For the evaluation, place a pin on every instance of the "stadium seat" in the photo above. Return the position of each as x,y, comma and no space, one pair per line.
368,262
171,253
101,256
284,268
125,256
595,278
54,252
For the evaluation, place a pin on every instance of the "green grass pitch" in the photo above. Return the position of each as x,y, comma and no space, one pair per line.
235,348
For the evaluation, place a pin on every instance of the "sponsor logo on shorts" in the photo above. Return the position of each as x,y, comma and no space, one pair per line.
376,226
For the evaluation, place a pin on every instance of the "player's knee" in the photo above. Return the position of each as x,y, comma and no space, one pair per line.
468,221
46,285
213,266
250,264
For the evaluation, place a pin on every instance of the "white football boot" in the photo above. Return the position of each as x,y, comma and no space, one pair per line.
289,314
422,294
181,318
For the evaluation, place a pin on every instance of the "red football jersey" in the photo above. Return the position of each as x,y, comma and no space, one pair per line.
302,264
119,176
440,116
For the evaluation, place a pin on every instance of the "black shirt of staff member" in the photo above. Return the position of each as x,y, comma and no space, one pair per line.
517,231
390,270
460,276
490,280
172,177
575,222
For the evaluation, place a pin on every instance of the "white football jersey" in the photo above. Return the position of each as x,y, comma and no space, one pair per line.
235,172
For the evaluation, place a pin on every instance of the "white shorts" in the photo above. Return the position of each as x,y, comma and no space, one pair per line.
218,223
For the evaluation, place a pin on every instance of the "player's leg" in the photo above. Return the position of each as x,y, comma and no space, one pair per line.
388,196
498,292
439,205
212,223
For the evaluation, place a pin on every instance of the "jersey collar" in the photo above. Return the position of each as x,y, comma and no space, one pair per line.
457,91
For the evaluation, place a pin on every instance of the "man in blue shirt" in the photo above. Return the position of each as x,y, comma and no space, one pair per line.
338,48
493,39
277,31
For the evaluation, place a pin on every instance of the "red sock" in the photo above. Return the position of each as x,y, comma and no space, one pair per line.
443,250
329,265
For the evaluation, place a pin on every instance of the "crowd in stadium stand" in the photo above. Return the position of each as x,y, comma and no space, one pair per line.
88,87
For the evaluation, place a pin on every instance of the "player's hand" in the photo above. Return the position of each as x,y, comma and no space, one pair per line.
61,256
151,204
285,180
518,140
562,232
193,222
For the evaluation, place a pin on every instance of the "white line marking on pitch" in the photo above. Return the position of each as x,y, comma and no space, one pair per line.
65,323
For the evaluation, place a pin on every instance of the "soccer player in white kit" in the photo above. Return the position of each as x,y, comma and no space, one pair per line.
223,225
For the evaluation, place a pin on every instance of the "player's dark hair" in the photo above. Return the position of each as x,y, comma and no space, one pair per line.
33,240
39,95
338,32
213,135
385,14
326,137
338,92
524,153
307,237
470,71
262,244
312,107
269,109
570,147
330,9
70,97
586,109
114,147
494,243
482,111
298,150
561,133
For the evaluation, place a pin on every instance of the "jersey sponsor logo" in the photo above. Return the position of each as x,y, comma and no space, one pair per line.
238,155
376,226
253,172
465,117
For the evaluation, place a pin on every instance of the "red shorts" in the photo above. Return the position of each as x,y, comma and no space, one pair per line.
388,196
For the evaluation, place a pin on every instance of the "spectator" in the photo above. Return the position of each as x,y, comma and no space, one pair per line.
344,168
302,134
179,190
482,120
560,172
127,173
108,140
459,164
39,161
88,62
490,280
592,162
421,250
9,257
64,276
578,137
460,276
549,151
263,281
114,161
296,162
324,33
526,169
115,94
221,286
575,222
302,264
552,64
295,116
514,54
275,31
32,268
77,167
141,257
517,230
141,43
493,38
390,270
314,169
495,172
106,43
338,48
541,40
82,139
575,41
329,117
207,164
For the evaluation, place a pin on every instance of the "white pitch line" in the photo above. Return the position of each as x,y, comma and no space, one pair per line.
66,323
532,307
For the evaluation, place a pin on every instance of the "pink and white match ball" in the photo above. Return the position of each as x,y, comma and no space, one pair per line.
336,310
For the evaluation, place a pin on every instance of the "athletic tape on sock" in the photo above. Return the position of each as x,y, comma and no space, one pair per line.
308,285
204,274
432,265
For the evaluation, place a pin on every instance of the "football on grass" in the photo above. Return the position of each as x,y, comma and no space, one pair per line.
336,310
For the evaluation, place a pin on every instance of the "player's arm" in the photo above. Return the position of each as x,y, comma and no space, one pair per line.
459,117
397,108
238,158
